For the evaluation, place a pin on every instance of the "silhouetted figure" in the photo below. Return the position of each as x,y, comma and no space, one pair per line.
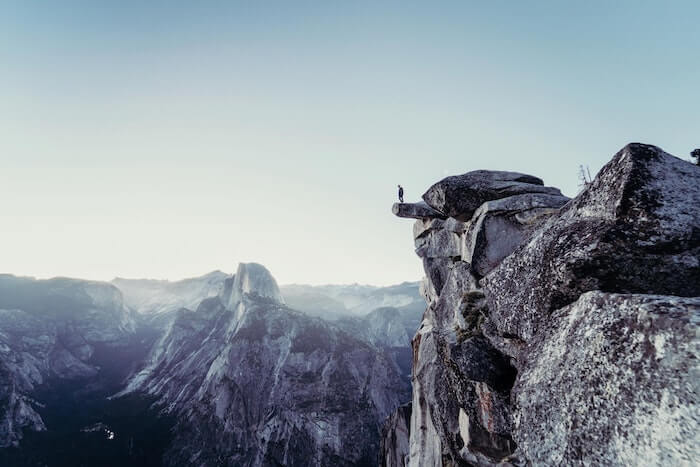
696,154
400,193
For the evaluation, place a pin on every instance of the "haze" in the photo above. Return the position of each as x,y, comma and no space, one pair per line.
169,139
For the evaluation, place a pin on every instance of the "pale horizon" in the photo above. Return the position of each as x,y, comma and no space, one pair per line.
138,140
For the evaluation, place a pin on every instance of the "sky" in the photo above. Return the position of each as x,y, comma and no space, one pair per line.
167,139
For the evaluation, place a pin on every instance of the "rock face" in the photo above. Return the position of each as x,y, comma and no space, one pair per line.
253,383
635,229
627,384
51,330
500,226
394,449
559,332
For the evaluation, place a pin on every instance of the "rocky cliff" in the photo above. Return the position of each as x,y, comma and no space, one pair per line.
252,382
557,332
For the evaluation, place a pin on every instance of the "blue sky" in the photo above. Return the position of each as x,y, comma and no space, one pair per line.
167,139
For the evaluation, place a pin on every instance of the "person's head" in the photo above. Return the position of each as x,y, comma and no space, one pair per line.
399,186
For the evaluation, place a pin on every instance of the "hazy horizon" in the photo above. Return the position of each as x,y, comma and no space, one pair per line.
170,139
179,279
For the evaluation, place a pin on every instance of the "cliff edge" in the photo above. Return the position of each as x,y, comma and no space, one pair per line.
557,331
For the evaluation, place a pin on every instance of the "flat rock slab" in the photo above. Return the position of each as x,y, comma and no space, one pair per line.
418,210
459,196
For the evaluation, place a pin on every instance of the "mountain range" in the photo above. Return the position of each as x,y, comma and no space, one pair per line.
215,370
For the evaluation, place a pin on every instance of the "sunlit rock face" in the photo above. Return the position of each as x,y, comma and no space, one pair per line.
559,332
253,382
50,330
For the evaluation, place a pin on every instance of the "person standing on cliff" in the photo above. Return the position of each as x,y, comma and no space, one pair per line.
400,194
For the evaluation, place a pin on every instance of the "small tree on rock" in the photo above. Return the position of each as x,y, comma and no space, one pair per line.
695,153
584,177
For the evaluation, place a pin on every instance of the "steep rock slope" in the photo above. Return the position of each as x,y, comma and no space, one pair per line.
51,330
559,333
253,382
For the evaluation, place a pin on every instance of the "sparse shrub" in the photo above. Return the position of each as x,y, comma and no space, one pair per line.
474,311
584,177
695,154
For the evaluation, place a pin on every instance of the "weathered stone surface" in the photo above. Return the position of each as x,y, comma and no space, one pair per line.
468,379
635,229
426,443
418,210
498,227
439,243
446,312
453,225
612,380
455,373
460,195
436,270
394,444
423,226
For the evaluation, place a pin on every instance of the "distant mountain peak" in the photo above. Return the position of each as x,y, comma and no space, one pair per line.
253,279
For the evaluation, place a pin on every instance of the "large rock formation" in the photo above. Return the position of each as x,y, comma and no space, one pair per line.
635,229
557,331
460,195
255,383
